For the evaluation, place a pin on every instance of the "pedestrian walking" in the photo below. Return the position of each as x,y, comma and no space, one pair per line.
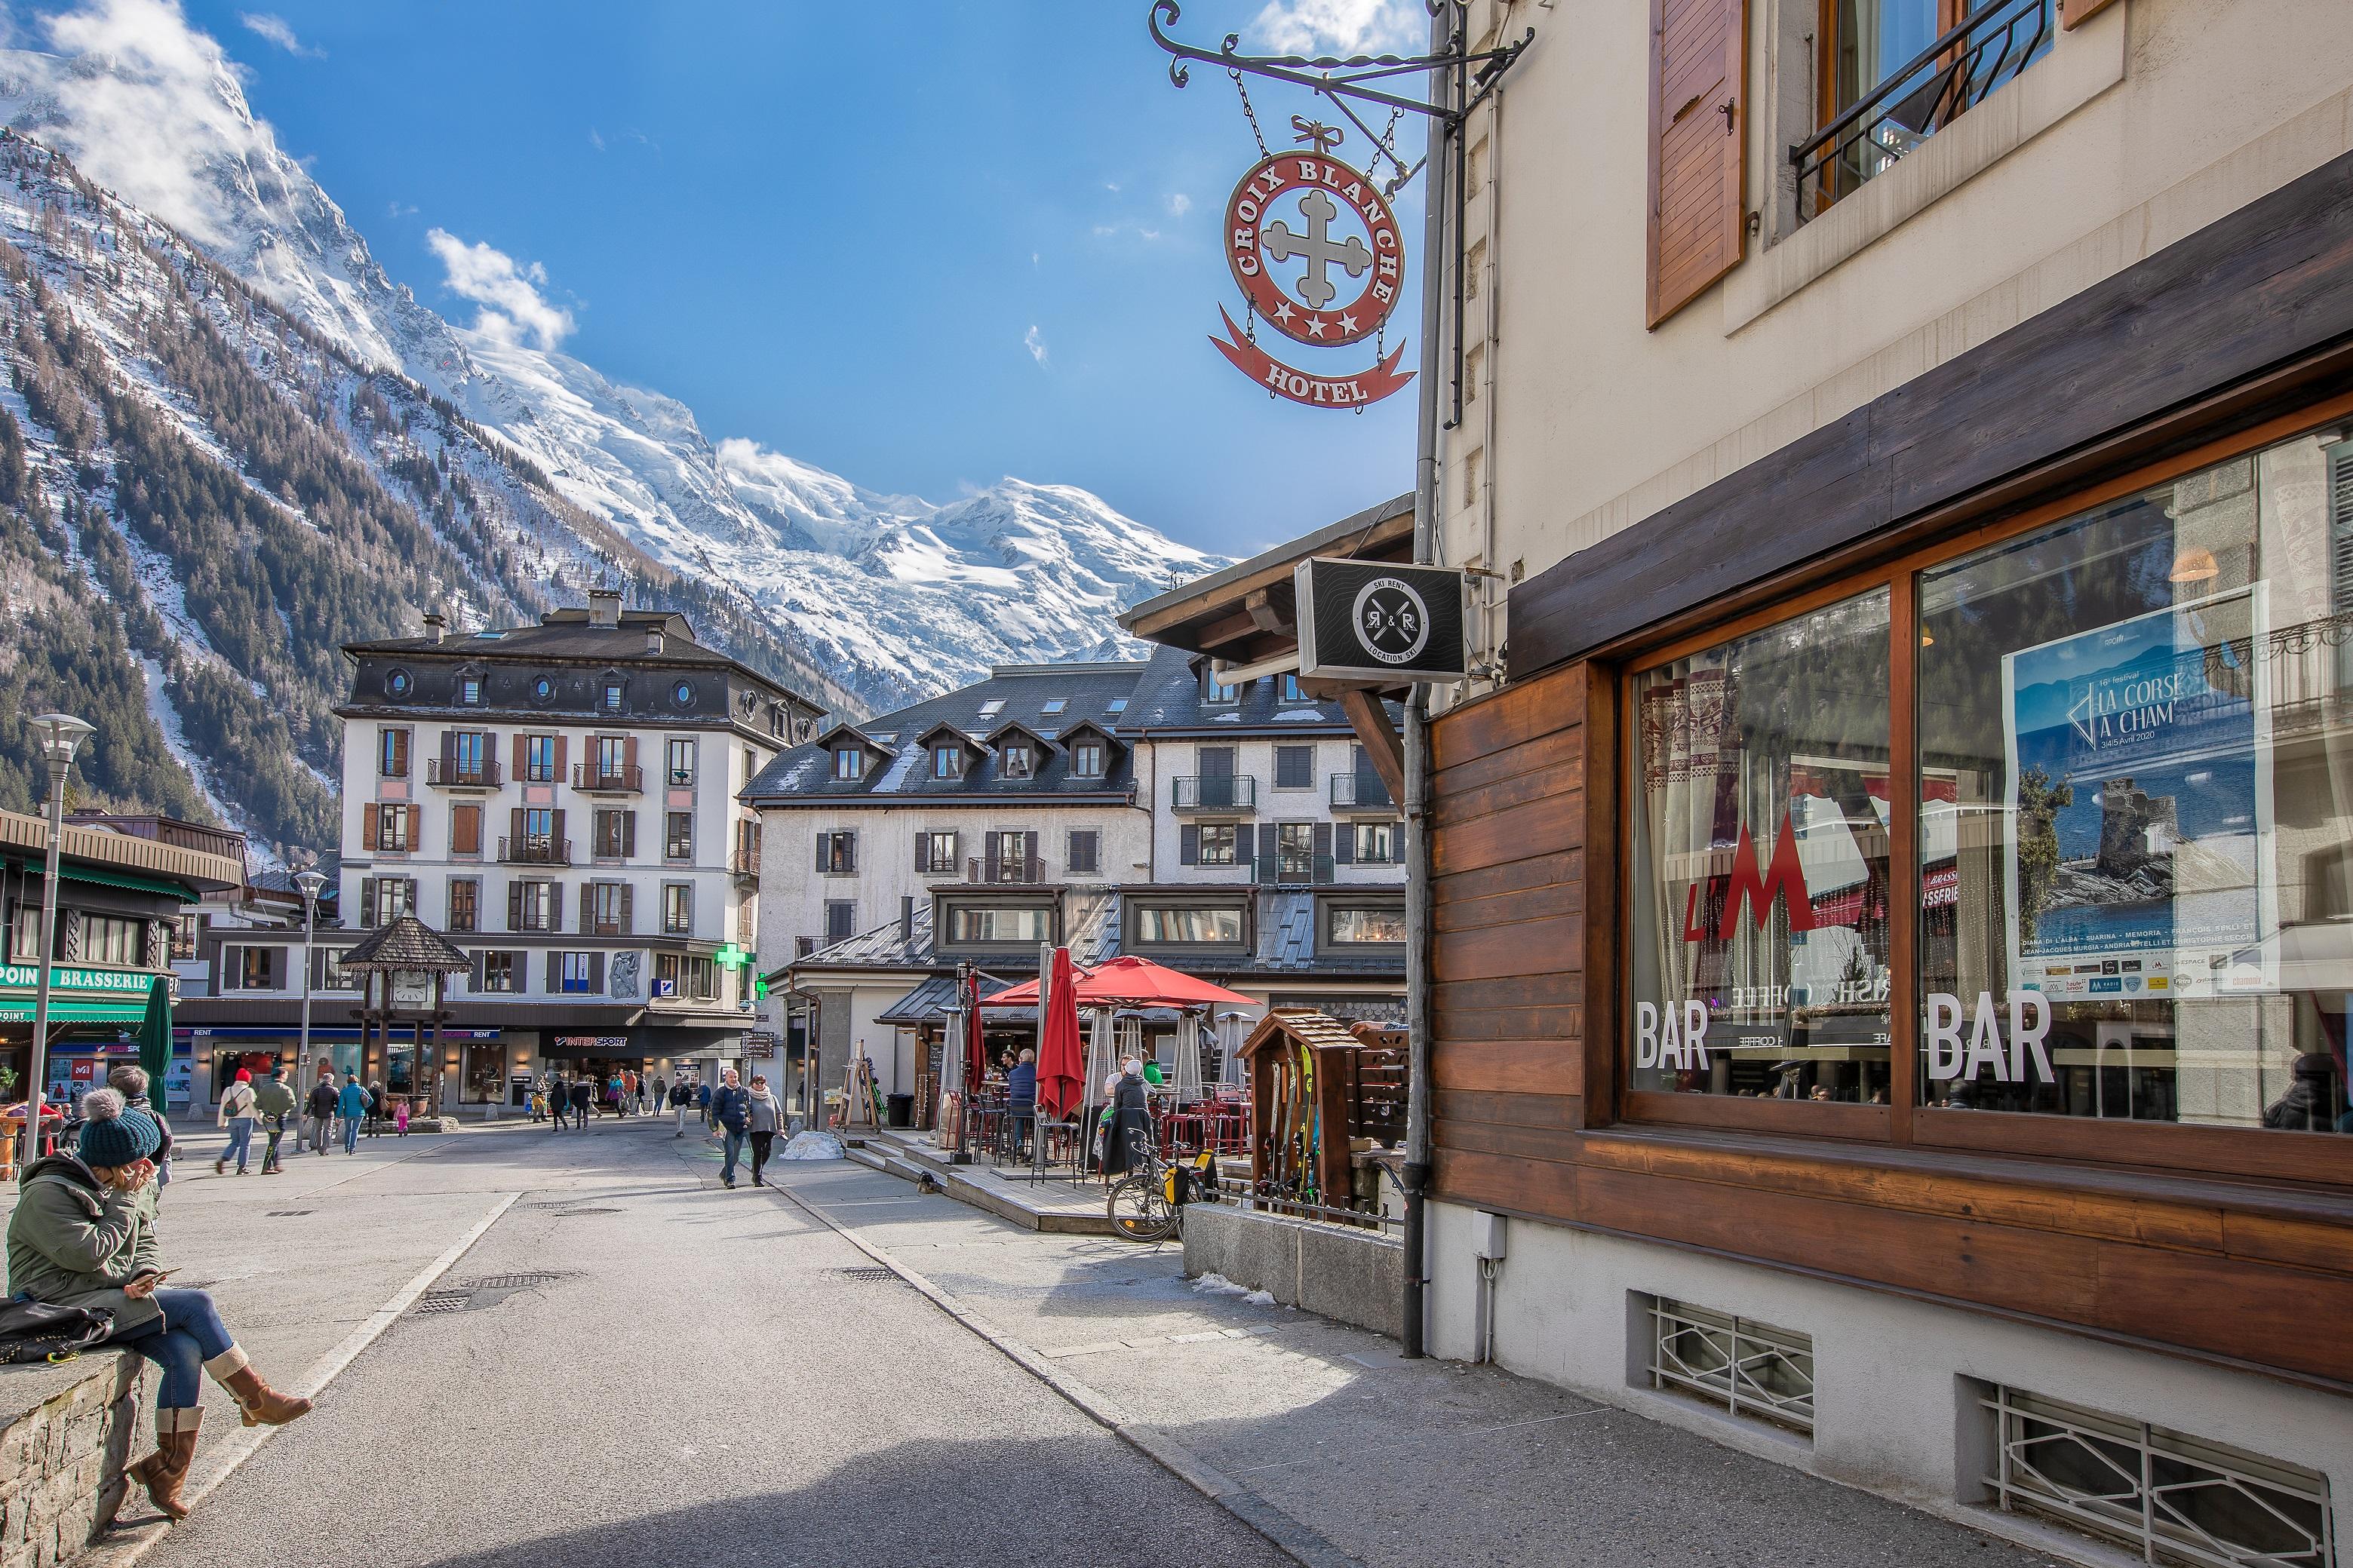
731,1109
352,1106
130,1082
584,1095
763,1117
83,1235
375,1108
678,1102
1130,1113
273,1101
237,1114
400,1117
320,1120
555,1102
702,1103
657,1100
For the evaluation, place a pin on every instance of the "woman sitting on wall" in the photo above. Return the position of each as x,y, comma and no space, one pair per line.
83,1235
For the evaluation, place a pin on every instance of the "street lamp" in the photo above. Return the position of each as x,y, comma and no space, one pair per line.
309,881
60,736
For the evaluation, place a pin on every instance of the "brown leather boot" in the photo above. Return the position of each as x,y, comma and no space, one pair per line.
258,1404
166,1471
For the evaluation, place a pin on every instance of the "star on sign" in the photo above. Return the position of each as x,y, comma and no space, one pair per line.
1314,326
1347,323
1283,311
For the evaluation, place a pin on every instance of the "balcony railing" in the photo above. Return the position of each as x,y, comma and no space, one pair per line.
535,849
591,926
443,774
590,779
1213,792
1952,75
1027,871
1358,792
1281,870
745,864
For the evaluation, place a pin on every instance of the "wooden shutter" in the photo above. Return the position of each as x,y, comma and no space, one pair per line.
1698,219
554,972
555,906
1323,840
370,816
629,908
850,860
516,828
628,834
1246,843
1028,852
408,903
823,843
465,830
521,760
1188,845
562,749
367,902
1344,843
449,753
555,833
596,972
478,972
278,968
514,906
630,754
2340,527
923,851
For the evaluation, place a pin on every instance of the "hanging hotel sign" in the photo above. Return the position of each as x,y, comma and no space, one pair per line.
1375,620
1315,248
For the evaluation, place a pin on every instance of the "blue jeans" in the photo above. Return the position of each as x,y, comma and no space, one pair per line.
187,1335
240,1142
734,1145
350,1135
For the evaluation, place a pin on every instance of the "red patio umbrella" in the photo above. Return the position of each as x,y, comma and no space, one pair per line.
1130,983
1061,1068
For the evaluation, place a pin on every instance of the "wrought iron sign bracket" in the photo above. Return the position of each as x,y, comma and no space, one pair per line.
1340,79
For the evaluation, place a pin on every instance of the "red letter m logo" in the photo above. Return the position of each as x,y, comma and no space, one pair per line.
1784,879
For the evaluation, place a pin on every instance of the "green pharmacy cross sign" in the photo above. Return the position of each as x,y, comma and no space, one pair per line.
730,956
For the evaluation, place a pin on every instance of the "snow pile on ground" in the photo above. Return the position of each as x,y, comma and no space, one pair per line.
812,1146
1219,1285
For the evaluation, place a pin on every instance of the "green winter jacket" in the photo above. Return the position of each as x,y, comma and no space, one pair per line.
272,1098
75,1242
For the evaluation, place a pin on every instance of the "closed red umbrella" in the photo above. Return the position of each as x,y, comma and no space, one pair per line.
1061,1069
976,1062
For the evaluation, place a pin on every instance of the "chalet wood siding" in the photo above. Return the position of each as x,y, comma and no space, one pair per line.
1698,219
1527,1119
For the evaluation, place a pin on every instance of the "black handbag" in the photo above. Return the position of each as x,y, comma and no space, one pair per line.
38,1330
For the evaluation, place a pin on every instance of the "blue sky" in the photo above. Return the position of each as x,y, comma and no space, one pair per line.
920,245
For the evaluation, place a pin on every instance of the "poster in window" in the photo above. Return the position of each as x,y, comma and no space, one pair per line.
2139,805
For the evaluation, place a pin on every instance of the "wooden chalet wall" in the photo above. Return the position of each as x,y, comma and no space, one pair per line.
2240,1272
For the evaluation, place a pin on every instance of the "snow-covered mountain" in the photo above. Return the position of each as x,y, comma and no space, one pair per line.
900,597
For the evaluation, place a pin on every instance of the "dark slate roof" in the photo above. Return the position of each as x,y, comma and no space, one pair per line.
407,943
930,999
1168,699
805,773
566,635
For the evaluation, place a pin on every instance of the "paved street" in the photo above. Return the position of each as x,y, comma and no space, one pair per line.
658,1370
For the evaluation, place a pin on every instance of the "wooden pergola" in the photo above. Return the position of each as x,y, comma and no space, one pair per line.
404,969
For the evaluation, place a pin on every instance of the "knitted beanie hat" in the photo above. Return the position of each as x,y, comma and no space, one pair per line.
243,1076
113,1135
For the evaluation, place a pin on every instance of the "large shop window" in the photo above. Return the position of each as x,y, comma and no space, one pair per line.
1760,864
2137,812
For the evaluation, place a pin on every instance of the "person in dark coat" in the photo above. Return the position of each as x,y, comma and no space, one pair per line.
1021,1099
2310,1103
582,1095
1129,1127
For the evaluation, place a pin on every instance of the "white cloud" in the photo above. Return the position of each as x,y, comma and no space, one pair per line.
1179,204
595,141
1035,342
278,31
512,308
403,209
1342,26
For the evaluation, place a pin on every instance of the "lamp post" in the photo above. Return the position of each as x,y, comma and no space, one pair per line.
310,882
60,735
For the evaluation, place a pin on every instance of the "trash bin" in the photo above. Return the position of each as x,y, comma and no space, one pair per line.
901,1109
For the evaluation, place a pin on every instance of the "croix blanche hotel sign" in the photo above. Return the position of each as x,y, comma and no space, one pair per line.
1316,251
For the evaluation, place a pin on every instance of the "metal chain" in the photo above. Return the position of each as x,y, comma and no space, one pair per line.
1248,113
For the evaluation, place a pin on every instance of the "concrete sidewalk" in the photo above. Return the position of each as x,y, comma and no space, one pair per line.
1342,1451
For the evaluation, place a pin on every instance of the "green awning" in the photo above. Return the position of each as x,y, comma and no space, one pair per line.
131,880
18,1009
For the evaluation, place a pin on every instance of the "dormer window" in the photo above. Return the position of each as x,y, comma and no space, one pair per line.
613,693
1087,759
1014,761
947,762
470,690
1291,690
849,764
1216,690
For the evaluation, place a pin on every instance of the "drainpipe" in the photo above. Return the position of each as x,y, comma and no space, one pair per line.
1427,494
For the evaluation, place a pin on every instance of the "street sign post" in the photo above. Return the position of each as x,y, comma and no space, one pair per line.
1378,621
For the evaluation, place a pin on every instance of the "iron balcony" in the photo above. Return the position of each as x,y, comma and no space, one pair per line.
443,774
590,779
535,849
1360,791
1213,792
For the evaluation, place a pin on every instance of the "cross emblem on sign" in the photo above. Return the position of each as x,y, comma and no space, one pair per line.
1318,247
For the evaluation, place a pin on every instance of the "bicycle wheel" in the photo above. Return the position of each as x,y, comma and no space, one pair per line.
1139,1210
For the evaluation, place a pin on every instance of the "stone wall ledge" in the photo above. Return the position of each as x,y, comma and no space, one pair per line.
66,1432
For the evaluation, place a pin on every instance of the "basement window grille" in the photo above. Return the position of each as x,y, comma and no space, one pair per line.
1751,1369
2166,1496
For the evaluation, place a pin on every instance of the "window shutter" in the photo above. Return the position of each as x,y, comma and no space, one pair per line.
1344,845
517,828
555,833
562,749
1698,124
555,906
849,847
554,972
1188,845
2340,528
824,842
1323,840
522,743
514,906
628,907
629,752
278,968
465,830
478,972
628,834
448,751
367,902
409,905
923,851
596,972
1246,844
1028,850
371,816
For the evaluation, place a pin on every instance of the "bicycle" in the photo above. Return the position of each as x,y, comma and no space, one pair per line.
1146,1204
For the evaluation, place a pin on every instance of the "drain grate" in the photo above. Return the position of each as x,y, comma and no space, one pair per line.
575,1214
475,1295
286,1214
864,1271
